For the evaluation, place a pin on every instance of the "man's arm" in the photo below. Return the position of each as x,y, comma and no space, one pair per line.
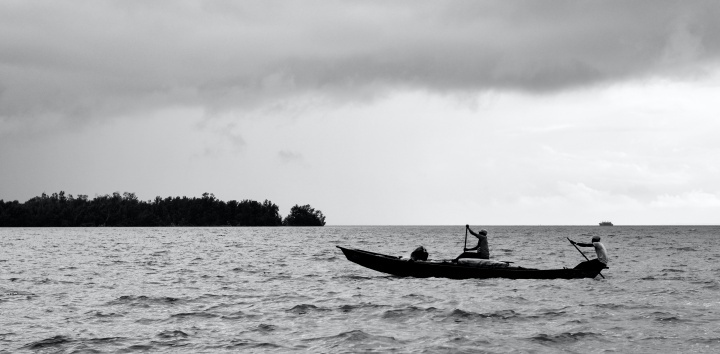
582,244
471,231
472,248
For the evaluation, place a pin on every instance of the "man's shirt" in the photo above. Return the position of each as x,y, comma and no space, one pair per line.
601,252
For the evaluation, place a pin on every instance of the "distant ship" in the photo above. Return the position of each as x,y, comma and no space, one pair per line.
606,223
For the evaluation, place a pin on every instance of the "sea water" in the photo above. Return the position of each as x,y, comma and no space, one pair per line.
215,290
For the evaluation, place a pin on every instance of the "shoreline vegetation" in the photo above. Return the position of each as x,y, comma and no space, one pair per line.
126,210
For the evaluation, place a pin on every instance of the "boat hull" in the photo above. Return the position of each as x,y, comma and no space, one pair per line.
448,269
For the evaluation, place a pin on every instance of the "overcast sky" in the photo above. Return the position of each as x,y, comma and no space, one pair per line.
374,112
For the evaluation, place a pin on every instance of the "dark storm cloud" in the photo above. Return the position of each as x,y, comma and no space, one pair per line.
83,59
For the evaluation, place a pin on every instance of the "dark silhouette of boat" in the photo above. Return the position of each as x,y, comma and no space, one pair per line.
458,269
606,223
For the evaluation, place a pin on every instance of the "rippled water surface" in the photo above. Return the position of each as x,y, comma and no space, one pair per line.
209,290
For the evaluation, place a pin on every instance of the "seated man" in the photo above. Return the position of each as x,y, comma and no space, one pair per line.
602,259
482,250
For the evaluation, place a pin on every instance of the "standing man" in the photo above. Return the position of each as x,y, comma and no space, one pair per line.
602,258
482,249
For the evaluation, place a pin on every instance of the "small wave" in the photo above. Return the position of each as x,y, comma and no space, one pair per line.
685,249
352,277
172,334
148,321
238,315
712,284
305,308
459,315
661,316
611,306
103,315
263,327
250,270
10,292
355,336
140,348
247,344
672,270
566,337
58,343
281,277
706,341
361,306
102,340
419,298
143,301
670,319
184,315
48,342
411,311
549,314
625,306
655,338
672,291
515,299
212,296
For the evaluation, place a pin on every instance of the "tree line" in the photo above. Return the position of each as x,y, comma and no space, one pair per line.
60,210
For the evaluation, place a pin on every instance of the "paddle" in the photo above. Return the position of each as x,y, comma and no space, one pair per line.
581,252
465,246
576,247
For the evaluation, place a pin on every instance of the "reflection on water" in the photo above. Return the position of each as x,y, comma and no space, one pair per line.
289,289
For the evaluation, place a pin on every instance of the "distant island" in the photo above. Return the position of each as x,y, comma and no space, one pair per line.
60,210
606,223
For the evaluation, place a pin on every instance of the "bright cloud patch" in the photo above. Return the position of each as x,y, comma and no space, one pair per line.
685,200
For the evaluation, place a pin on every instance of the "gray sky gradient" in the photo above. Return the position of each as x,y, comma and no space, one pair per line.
91,59
375,112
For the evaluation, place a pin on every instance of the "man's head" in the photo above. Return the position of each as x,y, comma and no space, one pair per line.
596,239
483,232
